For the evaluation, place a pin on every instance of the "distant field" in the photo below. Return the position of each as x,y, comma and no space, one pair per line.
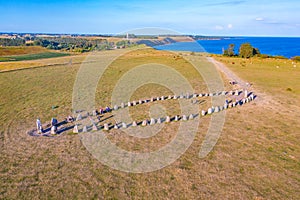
33,56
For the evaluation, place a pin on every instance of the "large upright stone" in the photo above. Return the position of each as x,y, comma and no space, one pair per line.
162,98
223,92
225,106
94,112
140,102
105,127
75,129
200,95
84,129
187,95
134,103
79,117
217,109
134,124
116,126
151,99
236,93
195,95
175,97
152,121
181,96
53,130
169,97
210,111
94,127
246,94
176,118
191,117
122,105
159,120
184,118
145,123
116,107
124,125
168,119
203,112
128,104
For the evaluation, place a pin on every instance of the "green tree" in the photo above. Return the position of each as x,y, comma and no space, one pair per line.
229,51
246,51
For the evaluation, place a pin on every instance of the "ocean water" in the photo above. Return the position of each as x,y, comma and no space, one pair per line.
283,46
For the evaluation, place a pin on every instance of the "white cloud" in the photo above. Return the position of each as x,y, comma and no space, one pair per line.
259,19
218,27
230,26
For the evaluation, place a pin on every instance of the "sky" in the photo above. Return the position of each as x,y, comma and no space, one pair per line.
198,17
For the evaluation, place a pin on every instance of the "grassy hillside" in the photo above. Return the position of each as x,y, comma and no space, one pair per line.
256,157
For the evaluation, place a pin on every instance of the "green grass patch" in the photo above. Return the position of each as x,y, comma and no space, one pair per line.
33,56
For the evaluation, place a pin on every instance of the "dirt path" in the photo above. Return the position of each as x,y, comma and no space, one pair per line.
228,73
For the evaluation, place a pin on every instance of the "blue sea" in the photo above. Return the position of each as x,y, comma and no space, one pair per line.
283,46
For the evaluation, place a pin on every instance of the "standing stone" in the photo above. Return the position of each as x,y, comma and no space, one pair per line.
116,126
152,99
175,97
152,121
187,95
162,98
39,126
94,112
169,97
181,96
168,119
225,106
134,103
94,127
211,94
116,107
134,124
124,125
233,104
231,92
140,102
200,95
53,130
244,101
184,118
79,117
84,129
236,93
203,112
176,118
157,98
146,101
246,94
75,129
191,117
209,111
206,94
128,104
106,127
224,93
122,105
195,95
144,123
217,109
159,120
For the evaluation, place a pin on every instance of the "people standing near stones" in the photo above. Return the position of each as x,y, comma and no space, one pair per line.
107,109
101,111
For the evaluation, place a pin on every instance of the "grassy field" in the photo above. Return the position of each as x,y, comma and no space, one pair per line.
21,50
33,56
256,157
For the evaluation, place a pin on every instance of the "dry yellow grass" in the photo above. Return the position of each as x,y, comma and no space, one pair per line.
12,51
257,156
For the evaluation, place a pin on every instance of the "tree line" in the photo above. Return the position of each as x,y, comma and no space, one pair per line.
67,43
246,50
